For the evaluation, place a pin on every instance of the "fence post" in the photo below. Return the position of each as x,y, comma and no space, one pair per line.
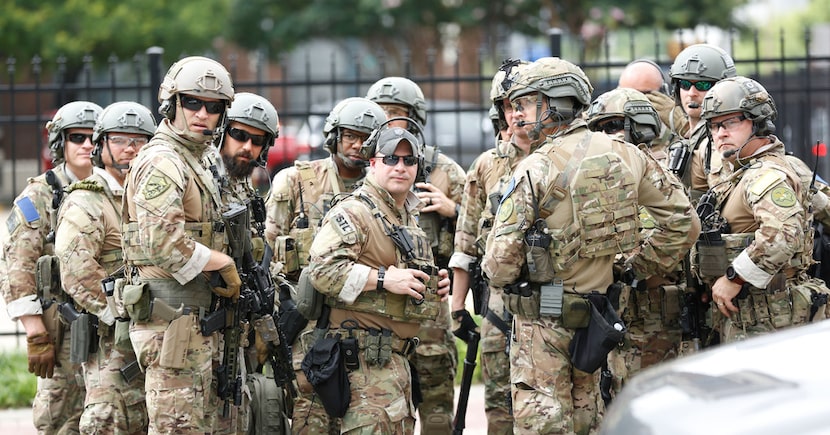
555,35
154,65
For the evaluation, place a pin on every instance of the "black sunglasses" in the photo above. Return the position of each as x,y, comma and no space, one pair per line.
612,126
195,104
393,160
79,138
243,136
700,86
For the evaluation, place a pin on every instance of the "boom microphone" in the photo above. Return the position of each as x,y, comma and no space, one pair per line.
207,132
694,105
729,153
524,123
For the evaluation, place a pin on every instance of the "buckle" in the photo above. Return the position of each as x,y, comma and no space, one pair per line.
409,346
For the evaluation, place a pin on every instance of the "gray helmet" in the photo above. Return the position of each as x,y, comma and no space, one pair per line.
701,62
255,111
400,90
555,78
121,117
197,76
641,122
77,114
744,95
389,138
355,113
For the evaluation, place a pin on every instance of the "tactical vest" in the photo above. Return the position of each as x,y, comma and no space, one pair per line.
603,195
493,182
391,305
436,226
110,260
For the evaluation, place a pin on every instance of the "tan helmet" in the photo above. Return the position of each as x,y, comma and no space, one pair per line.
744,95
640,121
555,78
255,111
121,117
197,76
402,91
355,113
701,62
77,114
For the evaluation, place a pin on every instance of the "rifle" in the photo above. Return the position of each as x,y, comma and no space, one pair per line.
480,289
466,382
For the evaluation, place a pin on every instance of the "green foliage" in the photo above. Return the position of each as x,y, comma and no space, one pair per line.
462,353
19,385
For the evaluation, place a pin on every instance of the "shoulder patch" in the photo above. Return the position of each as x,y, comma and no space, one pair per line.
344,226
505,210
156,185
783,196
12,222
764,182
28,209
508,190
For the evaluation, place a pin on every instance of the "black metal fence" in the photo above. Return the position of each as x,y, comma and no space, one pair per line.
305,86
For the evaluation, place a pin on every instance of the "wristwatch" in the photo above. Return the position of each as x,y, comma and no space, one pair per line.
381,274
733,276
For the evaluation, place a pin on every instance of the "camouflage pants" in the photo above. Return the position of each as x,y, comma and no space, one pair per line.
549,395
652,338
381,399
435,360
112,406
495,373
179,399
309,416
59,400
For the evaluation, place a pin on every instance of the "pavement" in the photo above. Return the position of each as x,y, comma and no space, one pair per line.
19,421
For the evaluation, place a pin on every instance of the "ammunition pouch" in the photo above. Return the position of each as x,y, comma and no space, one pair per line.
285,251
522,299
325,369
549,300
302,238
309,300
48,279
590,345
715,251
137,302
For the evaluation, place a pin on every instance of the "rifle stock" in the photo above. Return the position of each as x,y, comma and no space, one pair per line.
460,420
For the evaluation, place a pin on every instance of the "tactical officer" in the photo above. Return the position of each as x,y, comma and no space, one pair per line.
440,187
646,76
88,245
694,71
761,213
488,175
171,238
375,267
555,239
300,196
59,400
651,311
250,129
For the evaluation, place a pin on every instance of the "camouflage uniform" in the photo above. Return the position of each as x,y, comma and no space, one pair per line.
488,175
58,403
319,182
549,395
88,245
436,356
171,205
350,243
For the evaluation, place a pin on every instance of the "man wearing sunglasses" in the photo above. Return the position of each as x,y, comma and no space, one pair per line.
88,246
694,71
172,243
377,284
59,399
299,198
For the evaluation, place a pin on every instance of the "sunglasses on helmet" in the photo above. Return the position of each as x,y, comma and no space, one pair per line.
702,86
393,160
612,126
243,136
195,104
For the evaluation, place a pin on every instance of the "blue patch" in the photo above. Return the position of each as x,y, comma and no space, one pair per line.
28,209
510,188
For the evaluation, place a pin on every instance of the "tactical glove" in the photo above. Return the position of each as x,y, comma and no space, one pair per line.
232,282
41,355
464,327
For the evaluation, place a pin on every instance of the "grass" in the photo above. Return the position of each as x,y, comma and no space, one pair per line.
462,353
19,385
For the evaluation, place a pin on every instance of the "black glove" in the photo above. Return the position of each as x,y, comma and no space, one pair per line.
464,327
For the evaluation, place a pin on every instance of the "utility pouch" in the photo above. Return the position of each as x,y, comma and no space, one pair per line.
671,300
309,300
287,254
550,298
176,342
290,321
349,346
137,302
52,322
119,309
80,339
711,258
47,277
121,337
302,244
590,346
130,371
371,348
522,299
576,311
539,263
324,368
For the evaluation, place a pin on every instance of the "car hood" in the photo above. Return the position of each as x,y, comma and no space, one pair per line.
772,384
